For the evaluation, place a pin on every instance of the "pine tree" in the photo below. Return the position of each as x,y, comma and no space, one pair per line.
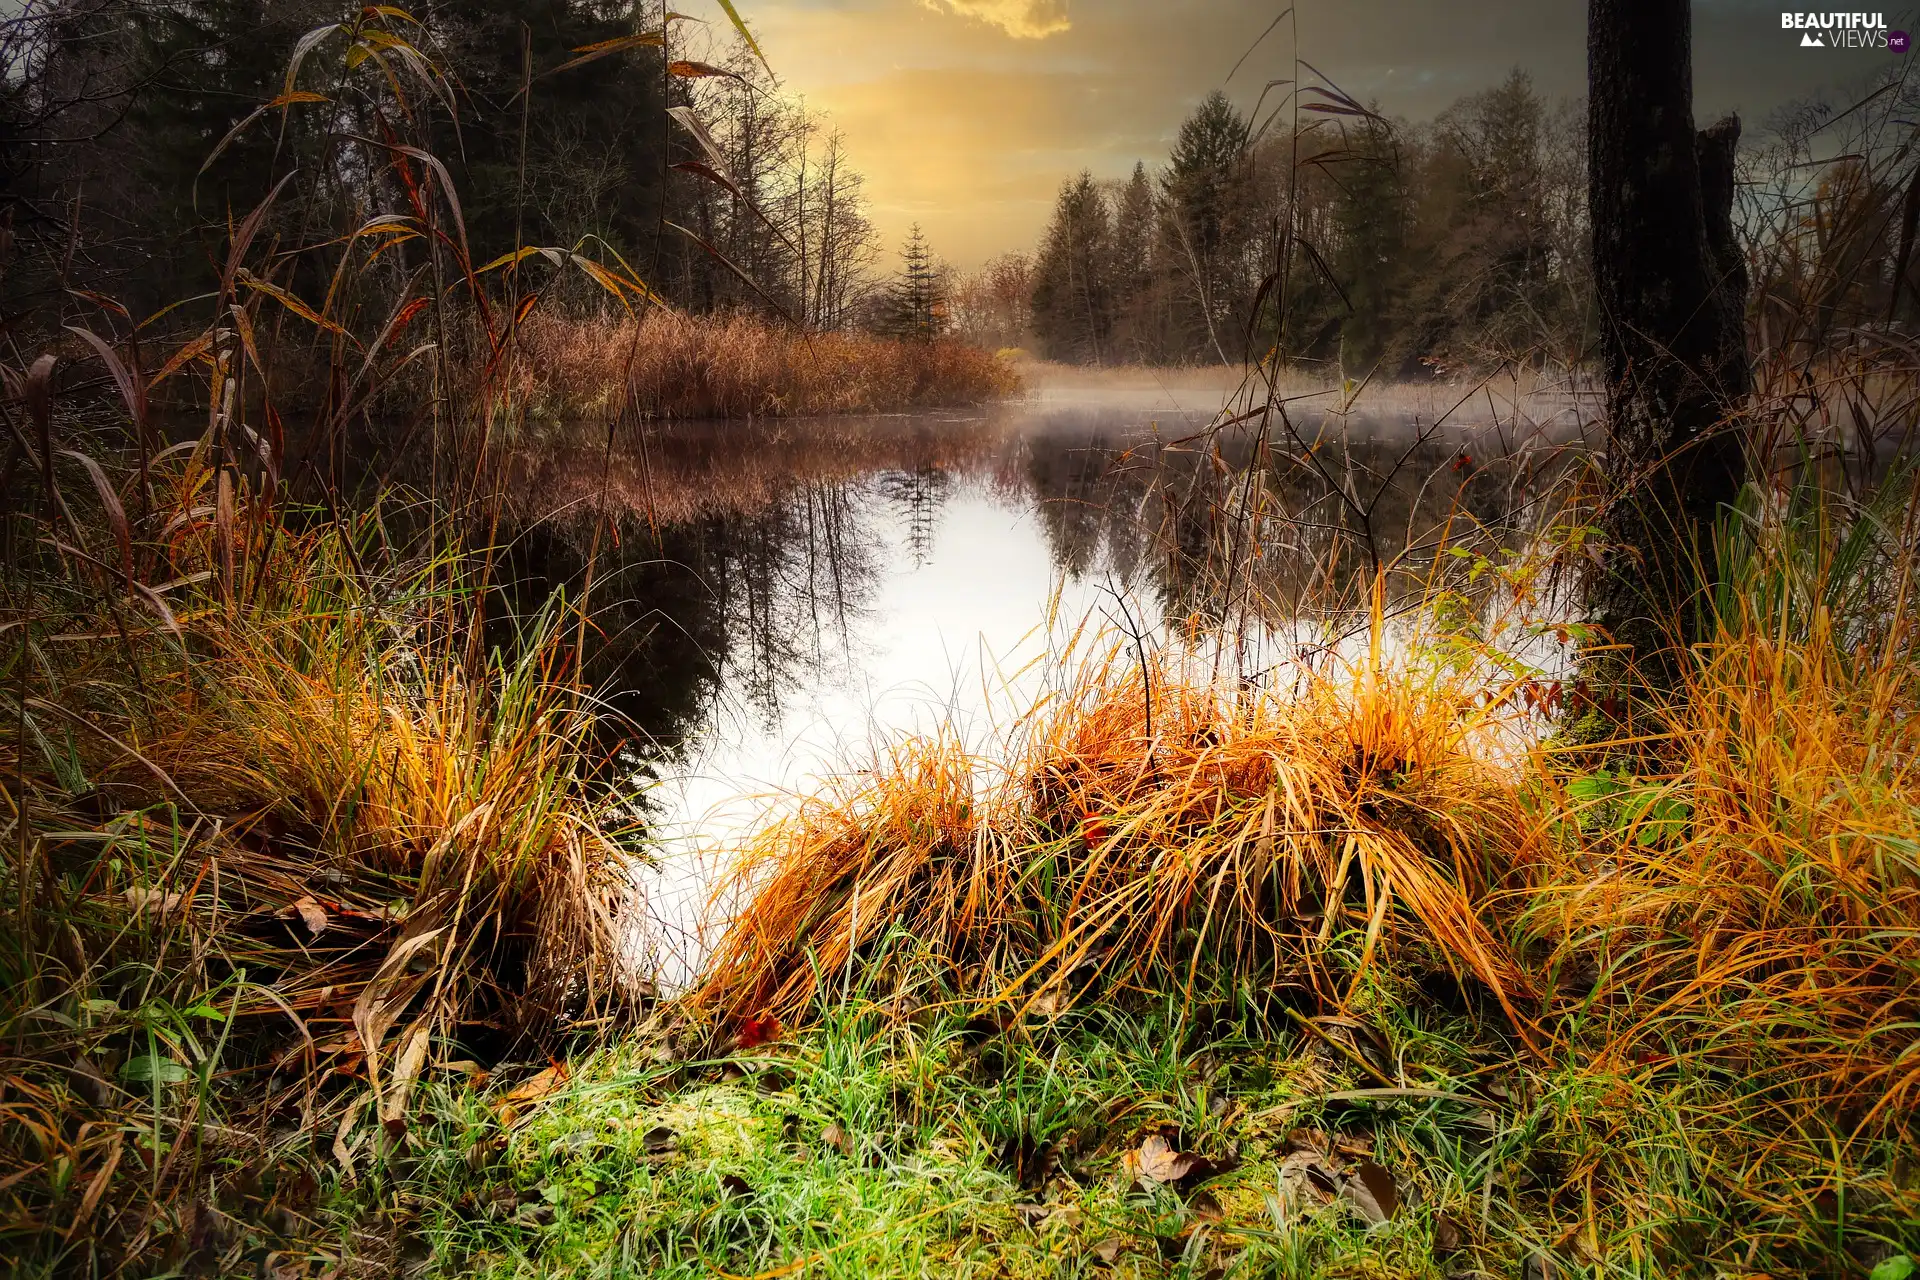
1134,217
1072,278
1204,184
916,303
1370,219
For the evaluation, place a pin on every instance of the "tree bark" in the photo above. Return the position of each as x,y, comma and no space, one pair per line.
1670,287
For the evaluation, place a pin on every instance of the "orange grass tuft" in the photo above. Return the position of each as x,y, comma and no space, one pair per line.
1777,931
1240,832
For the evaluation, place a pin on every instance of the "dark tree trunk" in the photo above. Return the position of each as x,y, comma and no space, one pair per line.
1670,284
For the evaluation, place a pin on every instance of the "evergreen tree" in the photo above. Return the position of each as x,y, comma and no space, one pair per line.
1370,215
1134,223
916,304
1072,278
1205,184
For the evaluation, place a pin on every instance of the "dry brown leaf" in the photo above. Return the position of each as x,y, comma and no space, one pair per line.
1448,1235
1307,1176
539,1086
836,1137
311,913
156,901
1159,1162
1205,1207
522,1098
1371,1190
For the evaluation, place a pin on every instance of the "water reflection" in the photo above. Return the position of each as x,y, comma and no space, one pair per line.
772,597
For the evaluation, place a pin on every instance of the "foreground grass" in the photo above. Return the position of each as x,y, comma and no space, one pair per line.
877,1145
1320,984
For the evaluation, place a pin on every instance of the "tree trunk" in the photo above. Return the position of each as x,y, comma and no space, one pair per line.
1670,285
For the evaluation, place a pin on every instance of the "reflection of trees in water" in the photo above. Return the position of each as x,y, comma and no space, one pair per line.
743,558
1291,529
752,603
915,497
735,557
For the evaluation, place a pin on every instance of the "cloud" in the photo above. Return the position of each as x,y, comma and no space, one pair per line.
1021,19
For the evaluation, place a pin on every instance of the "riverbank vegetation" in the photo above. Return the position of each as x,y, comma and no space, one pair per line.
1358,974
675,365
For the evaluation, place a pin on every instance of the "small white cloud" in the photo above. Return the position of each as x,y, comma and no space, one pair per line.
1021,19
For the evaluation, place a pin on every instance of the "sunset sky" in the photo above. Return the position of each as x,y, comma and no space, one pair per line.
966,114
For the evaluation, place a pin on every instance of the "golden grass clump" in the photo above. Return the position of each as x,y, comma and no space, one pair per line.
671,364
1763,914
301,803
1131,846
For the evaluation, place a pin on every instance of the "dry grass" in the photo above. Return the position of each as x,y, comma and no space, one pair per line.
676,365
1132,847
1732,887
267,852
1759,910
1703,933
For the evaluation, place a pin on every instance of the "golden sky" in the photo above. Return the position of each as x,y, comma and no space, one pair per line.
965,115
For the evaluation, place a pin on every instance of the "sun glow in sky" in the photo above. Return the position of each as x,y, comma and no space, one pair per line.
965,115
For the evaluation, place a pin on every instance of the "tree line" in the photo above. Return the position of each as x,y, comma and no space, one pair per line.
1406,245
1372,246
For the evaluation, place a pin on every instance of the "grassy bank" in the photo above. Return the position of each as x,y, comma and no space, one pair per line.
282,835
669,364
1331,983
1369,974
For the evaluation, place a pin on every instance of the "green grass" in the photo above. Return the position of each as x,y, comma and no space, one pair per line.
891,1141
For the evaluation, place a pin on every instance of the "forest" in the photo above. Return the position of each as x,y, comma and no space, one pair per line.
1431,248
591,171
568,710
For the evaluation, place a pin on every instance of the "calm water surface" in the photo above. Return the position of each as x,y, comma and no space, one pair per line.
778,600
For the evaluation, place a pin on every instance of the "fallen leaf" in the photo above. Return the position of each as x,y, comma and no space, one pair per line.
1371,1190
155,901
540,1085
1352,1144
312,915
1307,1140
1307,1176
836,1137
734,1185
1448,1237
659,1140
517,1103
1159,1162
1203,1206
757,1031
1106,1251
1538,1266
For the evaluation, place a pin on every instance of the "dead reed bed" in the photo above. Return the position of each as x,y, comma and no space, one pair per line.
670,364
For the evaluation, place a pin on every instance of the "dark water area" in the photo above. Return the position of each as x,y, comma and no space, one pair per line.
775,598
